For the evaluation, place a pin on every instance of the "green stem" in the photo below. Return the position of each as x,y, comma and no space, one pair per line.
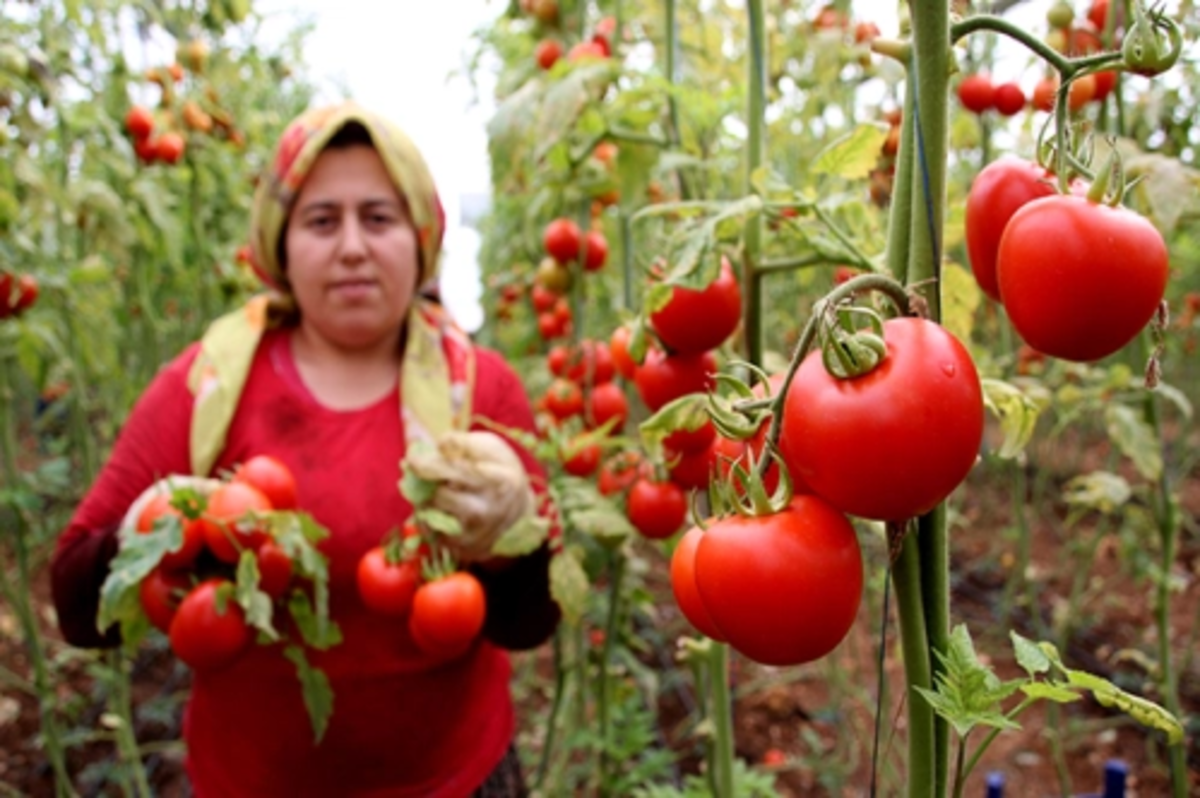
1062,64
755,156
721,712
560,684
959,778
610,631
1054,722
917,669
122,704
992,734
671,70
1019,578
857,258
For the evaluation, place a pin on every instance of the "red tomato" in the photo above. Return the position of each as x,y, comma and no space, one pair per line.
1045,94
272,477
619,472
1081,92
683,584
695,321
387,588
27,294
561,239
586,51
584,462
618,345
997,192
230,530
543,298
146,149
193,531
783,589
1098,14
169,147
564,399
589,362
274,569
204,638
663,377
556,360
692,470
1106,81
547,53
6,294
605,402
656,509
893,443
976,93
1009,100
550,326
160,593
595,251
689,441
1080,280
139,122
448,614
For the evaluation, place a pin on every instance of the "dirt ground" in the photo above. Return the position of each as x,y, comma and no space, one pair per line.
813,726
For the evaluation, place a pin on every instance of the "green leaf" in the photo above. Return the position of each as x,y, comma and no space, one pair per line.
1102,491
1017,412
1050,691
569,584
1143,711
439,521
961,298
318,695
418,491
1135,438
853,155
968,693
1175,397
254,603
523,537
688,412
138,555
316,629
1030,655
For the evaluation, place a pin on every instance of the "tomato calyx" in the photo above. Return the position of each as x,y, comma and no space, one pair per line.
1153,44
847,349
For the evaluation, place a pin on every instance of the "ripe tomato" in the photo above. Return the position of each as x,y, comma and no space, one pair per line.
448,614
274,569
997,192
1098,14
6,294
561,239
589,362
1080,280
169,147
1009,100
893,443
618,345
27,294
543,299
695,321
619,472
139,123
387,588
656,509
146,149
590,50
692,470
160,593
158,507
272,478
783,589
203,637
583,462
564,399
605,402
663,377
547,53
683,584
595,251
976,93
231,530
688,441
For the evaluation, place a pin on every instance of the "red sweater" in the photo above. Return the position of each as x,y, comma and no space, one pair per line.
403,724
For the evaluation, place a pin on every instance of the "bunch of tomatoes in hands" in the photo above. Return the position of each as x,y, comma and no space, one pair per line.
17,295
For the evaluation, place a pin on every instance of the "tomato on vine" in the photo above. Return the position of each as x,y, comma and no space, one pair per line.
656,509
694,321
683,585
385,586
448,614
232,528
272,478
158,507
209,630
663,377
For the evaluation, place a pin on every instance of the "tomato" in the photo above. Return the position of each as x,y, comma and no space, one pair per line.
1010,100
564,399
547,53
448,614
139,122
274,569
158,507
1081,92
619,472
695,321
553,277
605,152
595,251
556,360
691,470
683,584
1045,95
866,32
160,593
607,401
656,509
169,147
204,638
1080,280
587,51
584,461
543,299
1098,14
689,441
387,588
774,757
663,377
727,453
997,192
976,93
27,294
231,531
561,240
783,589
618,346
272,478
892,443
589,362
1106,81
550,326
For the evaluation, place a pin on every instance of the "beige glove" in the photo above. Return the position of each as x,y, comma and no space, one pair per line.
482,483
201,485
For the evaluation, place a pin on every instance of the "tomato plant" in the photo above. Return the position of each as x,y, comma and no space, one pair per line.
209,630
447,614
894,442
1080,279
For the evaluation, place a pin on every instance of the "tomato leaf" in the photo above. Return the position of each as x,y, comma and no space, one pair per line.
585,510
255,603
138,555
569,585
1135,438
439,521
1030,655
314,625
1050,691
968,693
314,685
1143,711
961,298
688,412
1017,411
852,155
1101,491
524,536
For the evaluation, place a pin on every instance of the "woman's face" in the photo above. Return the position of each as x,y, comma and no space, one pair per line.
352,253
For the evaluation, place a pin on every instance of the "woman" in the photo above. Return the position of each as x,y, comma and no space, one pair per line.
348,365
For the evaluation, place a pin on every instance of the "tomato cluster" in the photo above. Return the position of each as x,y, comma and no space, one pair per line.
189,595
17,295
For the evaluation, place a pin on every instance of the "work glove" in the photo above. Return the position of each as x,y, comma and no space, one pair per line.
480,481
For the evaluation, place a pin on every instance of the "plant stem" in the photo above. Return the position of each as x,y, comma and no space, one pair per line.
917,670
721,713
560,683
610,631
122,704
755,157
671,70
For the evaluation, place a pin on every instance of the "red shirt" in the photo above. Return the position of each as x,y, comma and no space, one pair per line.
403,724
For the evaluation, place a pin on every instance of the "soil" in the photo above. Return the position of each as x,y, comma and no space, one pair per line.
813,726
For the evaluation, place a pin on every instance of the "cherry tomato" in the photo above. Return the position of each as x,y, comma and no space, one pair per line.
694,321
688,441
547,53
1045,94
584,461
387,588
272,478
683,584
1009,100
202,636
448,614
561,240
692,470
892,443
139,122
656,509
618,345
169,147
606,402
564,398
27,294
663,377
619,472
1080,280
595,251
231,530
783,589
976,93
543,299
